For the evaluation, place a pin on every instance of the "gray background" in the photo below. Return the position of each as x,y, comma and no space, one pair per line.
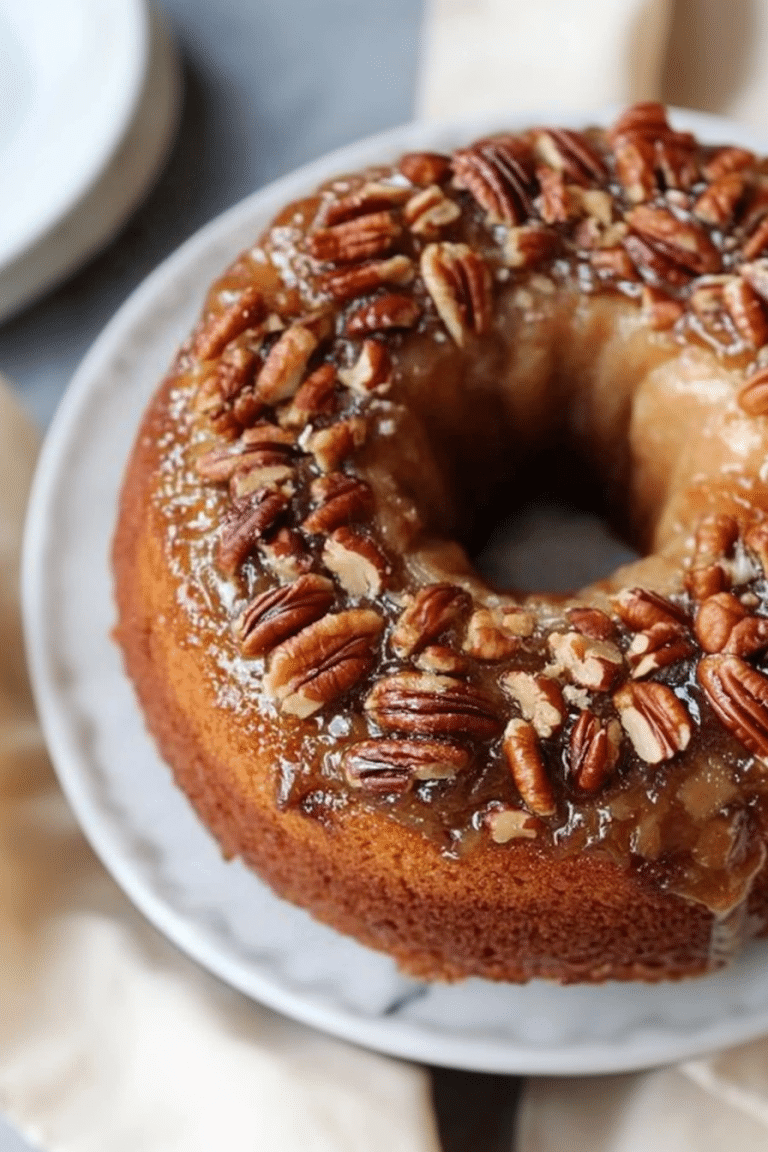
269,85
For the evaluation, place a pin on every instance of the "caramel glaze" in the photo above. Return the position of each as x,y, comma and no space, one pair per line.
658,869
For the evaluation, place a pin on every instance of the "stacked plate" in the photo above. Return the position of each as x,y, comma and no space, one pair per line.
89,92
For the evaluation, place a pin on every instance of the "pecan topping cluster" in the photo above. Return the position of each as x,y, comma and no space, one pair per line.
446,687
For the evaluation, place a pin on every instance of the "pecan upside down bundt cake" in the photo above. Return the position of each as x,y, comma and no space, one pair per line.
475,782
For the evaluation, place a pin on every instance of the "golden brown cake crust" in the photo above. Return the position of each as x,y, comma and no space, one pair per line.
476,784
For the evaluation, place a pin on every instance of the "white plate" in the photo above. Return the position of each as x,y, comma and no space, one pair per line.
143,828
71,76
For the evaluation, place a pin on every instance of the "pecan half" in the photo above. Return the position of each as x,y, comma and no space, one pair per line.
246,522
748,636
539,698
660,310
285,365
753,396
369,198
715,620
356,239
459,283
521,749
273,446
421,703
715,538
342,499
591,663
221,327
529,245
424,168
506,823
315,397
572,153
286,554
323,661
756,539
282,612
757,241
359,564
592,622
719,203
657,647
755,272
429,211
394,765
738,694
640,609
727,159
427,615
593,751
332,445
371,372
746,310
392,310
498,174
655,720
346,283
686,246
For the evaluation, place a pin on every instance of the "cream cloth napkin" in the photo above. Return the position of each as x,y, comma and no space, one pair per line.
109,1038
482,55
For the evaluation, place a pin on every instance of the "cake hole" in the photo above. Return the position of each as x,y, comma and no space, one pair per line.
554,532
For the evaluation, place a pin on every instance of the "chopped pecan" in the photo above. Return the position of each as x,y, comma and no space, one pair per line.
757,240
655,720
222,326
284,367
753,395
246,522
738,695
346,283
635,168
748,637
613,263
521,749
422,703
371,372
592,622
685,246
506,823
364,201
427,615
359,563
755,272
746,310
593,751
356,239
437,658
640,609
430,210
529,245
425,168
572,153
286,554
341,499
725,160
489,638
715,620
706,580
719,203
331,446
715,538
459,283
660,310
323,661
591,663
282,612
392,310
315,397
557,201
499,174
254,476
657,647
540,700
394,765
